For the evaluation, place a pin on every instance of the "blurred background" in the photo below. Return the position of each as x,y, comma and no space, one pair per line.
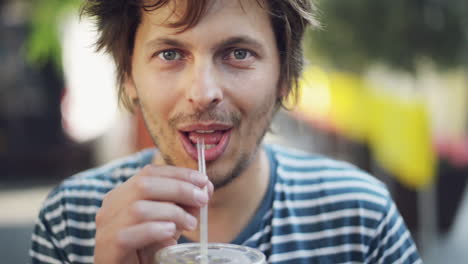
385,87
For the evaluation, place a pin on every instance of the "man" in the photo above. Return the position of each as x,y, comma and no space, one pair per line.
218,70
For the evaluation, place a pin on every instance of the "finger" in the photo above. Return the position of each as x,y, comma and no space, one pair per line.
195,211
170,190
141,187
142,182
147,211
140,236
210,188
183,174
177,235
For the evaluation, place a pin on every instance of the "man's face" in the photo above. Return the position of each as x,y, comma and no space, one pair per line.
217,80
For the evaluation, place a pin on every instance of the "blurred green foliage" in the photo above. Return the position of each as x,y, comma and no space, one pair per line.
398,33
43,44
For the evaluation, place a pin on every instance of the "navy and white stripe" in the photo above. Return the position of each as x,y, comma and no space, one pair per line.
322,211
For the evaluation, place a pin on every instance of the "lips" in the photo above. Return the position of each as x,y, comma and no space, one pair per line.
215,136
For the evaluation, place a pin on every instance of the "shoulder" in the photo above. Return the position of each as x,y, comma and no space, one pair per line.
331,211
65,228
88,188
315,181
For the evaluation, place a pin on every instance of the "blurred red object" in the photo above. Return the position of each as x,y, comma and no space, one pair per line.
454,150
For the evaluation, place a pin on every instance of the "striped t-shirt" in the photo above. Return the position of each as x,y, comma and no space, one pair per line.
316,210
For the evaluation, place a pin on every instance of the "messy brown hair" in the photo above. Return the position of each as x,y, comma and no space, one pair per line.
117,22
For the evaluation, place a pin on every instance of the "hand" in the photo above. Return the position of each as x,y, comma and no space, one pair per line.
148,212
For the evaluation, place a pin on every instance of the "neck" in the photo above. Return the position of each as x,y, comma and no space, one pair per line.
251,183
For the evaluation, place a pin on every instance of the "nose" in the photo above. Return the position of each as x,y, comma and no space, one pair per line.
203,91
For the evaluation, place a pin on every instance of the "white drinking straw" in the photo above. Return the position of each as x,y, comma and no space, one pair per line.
204,209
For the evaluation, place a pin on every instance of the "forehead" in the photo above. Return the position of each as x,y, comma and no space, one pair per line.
217,15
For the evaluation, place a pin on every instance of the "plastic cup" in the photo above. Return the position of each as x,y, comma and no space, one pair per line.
218,253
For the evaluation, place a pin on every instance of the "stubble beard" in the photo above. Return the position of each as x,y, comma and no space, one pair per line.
265,112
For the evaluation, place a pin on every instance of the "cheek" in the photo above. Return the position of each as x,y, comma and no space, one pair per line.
254,91
157,92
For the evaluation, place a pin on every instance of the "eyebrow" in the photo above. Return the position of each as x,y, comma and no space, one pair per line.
240,40
236,40
167,42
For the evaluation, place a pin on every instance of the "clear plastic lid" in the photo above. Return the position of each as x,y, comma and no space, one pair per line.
217,254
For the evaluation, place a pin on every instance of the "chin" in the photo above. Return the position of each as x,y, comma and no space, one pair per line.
223,173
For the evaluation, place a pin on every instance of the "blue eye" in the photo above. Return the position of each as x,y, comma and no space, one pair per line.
169,55
240,54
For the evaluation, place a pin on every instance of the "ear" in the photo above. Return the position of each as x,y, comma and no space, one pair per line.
283,90
130,88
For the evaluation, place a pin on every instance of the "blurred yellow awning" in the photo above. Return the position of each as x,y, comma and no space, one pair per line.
396,129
